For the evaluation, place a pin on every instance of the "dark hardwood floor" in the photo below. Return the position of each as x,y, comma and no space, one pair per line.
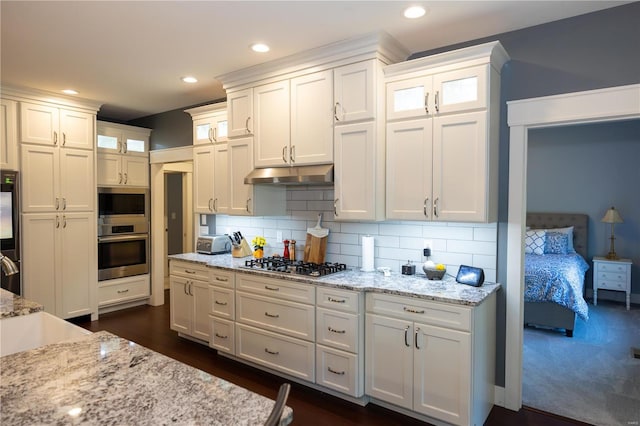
149,327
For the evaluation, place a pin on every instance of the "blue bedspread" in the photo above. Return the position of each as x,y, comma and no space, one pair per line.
557,278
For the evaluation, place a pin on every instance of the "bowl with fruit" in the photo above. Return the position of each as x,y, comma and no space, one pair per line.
434,272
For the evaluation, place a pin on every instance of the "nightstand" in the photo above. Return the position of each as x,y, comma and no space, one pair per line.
611,275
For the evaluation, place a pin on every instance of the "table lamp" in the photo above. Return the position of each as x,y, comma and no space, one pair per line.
612,216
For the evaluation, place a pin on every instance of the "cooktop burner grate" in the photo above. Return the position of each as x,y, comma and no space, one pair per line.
298,267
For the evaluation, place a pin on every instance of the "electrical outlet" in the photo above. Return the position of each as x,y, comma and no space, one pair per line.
278,236
428,244
203,219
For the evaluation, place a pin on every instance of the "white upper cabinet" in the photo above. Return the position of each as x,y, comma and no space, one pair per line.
203,172
354,91
211,126
272,135
123,155
240,112
49,125
8,135
120,139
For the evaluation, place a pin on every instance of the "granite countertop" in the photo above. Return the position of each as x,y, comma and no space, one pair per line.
417,286
12,305
89,381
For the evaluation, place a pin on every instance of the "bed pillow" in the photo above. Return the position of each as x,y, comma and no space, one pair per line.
567,230
556,243
534,241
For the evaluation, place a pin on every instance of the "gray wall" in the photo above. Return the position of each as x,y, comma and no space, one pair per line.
583,53
175,220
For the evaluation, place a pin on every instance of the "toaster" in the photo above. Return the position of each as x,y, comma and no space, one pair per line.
213,244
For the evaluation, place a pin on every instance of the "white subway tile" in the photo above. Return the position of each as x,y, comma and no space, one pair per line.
317,195
400,254
412,243
360,228
340,238
471,247
387,241
333,248
484,261
400,230
453,259
350,249
448,232
293,205
326,205
292,224
485,234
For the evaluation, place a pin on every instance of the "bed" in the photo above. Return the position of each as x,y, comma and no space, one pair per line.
554,283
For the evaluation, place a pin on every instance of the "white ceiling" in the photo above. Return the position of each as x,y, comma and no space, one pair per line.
130,55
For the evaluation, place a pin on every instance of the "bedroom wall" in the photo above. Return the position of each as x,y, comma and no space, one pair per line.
587,169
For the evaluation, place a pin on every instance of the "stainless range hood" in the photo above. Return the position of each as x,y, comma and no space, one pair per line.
299,175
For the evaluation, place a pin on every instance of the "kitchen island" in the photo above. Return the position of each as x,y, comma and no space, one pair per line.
104,379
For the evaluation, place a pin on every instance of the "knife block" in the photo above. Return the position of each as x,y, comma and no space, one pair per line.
242,250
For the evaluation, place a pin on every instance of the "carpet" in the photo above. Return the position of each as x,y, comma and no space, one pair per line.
592,377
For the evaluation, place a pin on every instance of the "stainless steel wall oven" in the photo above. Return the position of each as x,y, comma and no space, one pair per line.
123,232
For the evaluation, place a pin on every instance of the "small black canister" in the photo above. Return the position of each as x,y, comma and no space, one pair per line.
409,268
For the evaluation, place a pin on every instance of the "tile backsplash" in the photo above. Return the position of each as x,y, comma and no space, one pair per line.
396,242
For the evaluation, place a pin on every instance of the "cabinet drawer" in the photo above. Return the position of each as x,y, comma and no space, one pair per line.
612,276
223,278
611,267
222,335
337,329
343,300
117,291
290,318
282,289
291,356
612,285
339,370
222,302
427,312
188,269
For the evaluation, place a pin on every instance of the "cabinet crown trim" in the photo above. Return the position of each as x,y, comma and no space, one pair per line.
209,109
134,129
28,94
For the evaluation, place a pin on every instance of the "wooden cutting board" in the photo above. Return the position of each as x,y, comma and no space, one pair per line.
315,246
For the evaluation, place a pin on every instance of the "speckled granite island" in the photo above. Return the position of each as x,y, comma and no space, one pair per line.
12,305
424,348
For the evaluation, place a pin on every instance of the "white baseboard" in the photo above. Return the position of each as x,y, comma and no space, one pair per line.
498,396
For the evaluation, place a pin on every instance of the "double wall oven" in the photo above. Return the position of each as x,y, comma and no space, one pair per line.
123,232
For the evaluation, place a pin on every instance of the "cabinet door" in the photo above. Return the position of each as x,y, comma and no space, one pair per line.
202,131
240,164
409,170
354,91
39,124
412,98
77,188
8,135
271,131
222,335
240,112
460,167
76,129
442,373
109,140
181,305
40,262
389,360
220,128
135,170
203,174
221,178
201,306
312,119
355,172
461,90
109,169
40,178
79,277
135,144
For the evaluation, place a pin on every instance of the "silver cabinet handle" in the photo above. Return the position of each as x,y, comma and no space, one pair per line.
272,288
64,138
215,136
292,153
267,314
271,352
185,288
126,178
123,291
333,330
210,134
406,333
424,207
124,147
426,103
55,138
210,204
415,341
64,221
246,125
284,153
189,272
413,311
335,207
224,280
57,203
247,207
335,111
331,299
64,203
120,180
190,288
220,336
57,221
437,101
339,373
435,206
215,204
220,303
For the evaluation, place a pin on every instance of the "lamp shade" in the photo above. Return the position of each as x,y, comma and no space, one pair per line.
612,216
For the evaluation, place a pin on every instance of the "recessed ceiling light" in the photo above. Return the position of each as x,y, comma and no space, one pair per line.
260,47
414,12
189,79
69,92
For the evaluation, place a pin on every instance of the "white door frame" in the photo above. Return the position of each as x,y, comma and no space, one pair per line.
611,104
164,161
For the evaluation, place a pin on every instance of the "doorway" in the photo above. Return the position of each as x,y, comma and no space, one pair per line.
177,214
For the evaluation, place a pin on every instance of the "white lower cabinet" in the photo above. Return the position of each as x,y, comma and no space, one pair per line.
432,358
189,298
222,312
123,290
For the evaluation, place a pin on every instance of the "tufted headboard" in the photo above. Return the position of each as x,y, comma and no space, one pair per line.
560,220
